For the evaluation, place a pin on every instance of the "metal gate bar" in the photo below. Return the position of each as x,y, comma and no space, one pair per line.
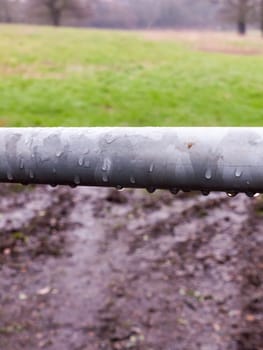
204,159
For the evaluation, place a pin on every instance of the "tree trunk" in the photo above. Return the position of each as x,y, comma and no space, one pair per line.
241,27
242,13
7,16
55,15
261,16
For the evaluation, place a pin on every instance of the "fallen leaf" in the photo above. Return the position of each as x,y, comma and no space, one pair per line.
250,318
44,291
22,296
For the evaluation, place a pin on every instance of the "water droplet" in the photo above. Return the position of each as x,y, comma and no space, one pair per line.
105,178
77,180
205,193
109,138
231,194
132,180
151,168
31,174
208,174
54,171
59,154
252,194
21,164
72,185
151,189
81,161
238,173
86,163
10,176
119,188
174,190
106,165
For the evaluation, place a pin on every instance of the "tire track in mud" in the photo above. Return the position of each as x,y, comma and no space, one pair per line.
251,328
185,273
135,271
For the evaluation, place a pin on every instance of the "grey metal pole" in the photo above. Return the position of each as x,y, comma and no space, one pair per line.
204,159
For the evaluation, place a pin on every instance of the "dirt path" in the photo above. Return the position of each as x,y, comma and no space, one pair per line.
89,269
210,41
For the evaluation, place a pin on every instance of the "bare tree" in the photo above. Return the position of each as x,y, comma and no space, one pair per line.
238,11
261,15
147,12
112,14
173,13
5,11
55,10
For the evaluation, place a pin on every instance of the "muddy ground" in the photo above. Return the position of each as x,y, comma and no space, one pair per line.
91,269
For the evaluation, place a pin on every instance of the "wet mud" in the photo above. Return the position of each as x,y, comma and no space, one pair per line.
94,269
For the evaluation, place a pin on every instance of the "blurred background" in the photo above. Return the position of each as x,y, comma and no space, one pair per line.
147,62
100,269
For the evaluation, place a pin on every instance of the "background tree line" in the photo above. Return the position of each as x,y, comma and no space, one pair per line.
136,13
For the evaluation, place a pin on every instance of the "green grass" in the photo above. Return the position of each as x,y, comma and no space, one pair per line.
68,77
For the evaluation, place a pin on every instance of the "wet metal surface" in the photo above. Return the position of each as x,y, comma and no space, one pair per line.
205,159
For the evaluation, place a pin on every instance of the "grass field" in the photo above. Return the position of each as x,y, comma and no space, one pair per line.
86,77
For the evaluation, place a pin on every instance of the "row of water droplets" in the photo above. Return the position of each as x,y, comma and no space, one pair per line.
209,174
175,191
232,194
150,189
84,162
238,174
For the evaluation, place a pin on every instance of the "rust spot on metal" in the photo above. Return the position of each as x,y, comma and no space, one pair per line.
190,145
